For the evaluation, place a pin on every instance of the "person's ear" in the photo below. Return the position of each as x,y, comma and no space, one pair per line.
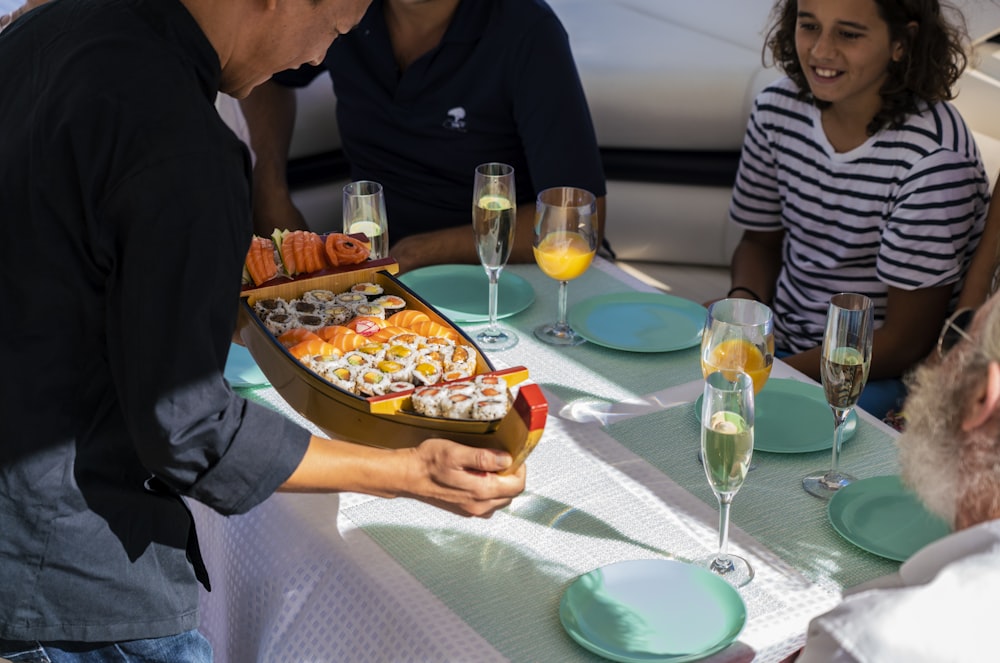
899,48
986,402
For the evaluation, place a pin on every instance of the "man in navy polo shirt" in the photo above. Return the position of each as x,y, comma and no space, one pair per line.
426,91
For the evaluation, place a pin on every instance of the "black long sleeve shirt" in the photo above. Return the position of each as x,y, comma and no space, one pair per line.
125,208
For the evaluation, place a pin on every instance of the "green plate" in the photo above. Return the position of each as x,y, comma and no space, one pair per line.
241,369
884,517
791,416
461,293
652,610
639,321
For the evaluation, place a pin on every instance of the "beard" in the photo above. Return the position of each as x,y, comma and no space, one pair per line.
929,447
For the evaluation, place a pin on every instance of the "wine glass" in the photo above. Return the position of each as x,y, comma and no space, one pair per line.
364,213
564,245
739,336
494,210
847,355
727,416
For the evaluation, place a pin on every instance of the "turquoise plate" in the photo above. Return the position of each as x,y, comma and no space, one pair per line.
884,517
652,610
461,293
791,416
241,369
639,321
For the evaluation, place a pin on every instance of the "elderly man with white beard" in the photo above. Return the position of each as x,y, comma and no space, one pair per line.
941,605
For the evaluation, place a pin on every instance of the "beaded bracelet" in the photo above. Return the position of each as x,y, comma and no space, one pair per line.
753,295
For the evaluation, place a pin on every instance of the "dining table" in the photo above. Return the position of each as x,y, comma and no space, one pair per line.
616,476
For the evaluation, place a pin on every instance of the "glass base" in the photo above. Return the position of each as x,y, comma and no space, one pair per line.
825,484
499,338
732,568
556,334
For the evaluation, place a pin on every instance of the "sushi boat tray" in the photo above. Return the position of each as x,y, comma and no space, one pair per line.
391,419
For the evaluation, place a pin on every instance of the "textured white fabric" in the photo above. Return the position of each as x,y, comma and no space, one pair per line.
943,609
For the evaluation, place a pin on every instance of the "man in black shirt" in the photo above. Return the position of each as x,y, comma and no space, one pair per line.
125,203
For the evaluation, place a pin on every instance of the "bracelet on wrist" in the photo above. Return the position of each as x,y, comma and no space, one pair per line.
739,288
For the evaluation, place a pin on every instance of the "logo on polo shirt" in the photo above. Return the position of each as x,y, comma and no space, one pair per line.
456,119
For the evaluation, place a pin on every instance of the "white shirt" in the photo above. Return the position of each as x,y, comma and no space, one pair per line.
941,606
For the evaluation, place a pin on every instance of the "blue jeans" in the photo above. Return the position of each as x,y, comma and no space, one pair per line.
188,647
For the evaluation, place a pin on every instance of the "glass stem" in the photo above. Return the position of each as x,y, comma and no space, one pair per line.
839,417
724,503
494,275
561,321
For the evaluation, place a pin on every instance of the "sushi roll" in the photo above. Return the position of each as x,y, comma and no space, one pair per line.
401,353
491,386
372,382
488,409
376,351
370,311
267,307
409,339
463,359
278,323
358,360
367,290
449,376
400,386
310,321
391,303
396,371
337,314
458,405
319,297
425,372
303,307
428,401
340,375
351,299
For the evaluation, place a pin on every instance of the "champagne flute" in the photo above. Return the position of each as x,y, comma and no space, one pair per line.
738,337
564,245
364,213
494,210
847,355
727,417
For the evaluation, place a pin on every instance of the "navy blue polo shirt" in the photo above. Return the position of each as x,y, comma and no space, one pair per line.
501,86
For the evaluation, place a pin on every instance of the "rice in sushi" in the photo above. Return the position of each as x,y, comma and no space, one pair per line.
367,289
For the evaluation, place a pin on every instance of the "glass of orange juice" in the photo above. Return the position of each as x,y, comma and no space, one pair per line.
738,337
565,241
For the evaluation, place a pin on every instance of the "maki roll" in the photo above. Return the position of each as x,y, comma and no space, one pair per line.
339,374
425,372
462,359
278,323
458,405
358,360
488,409
429,401
264,308
372,382
303,307
400,387
310,321
337,314
391,303
396,371
367,289
319,297
351,299
370,311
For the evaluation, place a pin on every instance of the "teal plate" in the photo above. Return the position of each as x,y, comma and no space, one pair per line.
241,369
461,293
884,517
791,416
639,321
652,610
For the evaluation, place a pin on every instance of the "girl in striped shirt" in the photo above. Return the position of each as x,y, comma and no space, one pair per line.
857,175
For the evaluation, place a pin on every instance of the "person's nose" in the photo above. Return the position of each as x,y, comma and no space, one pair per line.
823,47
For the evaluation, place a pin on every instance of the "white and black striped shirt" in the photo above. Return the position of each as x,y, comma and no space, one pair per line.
905,209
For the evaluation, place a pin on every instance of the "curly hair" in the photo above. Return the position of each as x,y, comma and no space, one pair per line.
934,56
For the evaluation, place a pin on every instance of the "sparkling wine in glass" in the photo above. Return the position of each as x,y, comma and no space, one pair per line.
494,211
847,355
565,241
727,419
364,213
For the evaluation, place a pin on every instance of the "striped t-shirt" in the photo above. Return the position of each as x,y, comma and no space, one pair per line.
905,209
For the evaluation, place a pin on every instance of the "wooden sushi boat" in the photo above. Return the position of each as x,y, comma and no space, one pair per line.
388,420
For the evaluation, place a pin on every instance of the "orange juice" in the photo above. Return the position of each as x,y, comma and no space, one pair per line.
564,255
736,354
